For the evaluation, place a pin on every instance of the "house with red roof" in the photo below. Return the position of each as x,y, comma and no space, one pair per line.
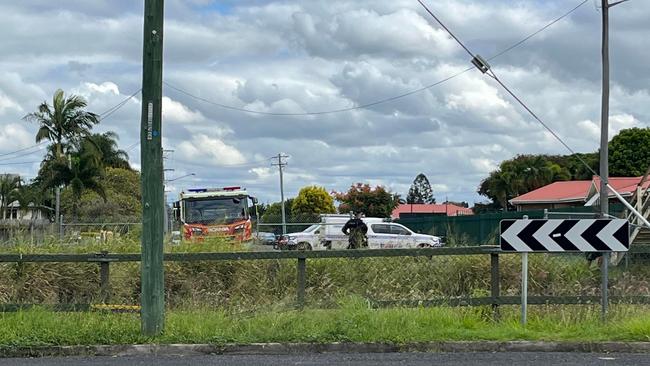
418,209
575,193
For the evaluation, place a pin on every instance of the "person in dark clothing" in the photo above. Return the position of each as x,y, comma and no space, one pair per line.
356,231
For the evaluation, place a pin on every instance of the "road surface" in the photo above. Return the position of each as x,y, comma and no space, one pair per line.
352,359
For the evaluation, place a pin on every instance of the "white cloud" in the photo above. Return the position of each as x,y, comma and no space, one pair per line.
103,88
7,103
617,123
203,150
261,173
483,165
296,56
14,137
176,112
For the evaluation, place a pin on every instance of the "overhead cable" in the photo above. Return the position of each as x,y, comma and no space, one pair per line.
485,68
385,100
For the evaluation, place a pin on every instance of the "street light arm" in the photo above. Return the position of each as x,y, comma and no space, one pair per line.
181,177
616,3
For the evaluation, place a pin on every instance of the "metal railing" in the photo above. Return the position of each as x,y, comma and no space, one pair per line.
640,200
495,299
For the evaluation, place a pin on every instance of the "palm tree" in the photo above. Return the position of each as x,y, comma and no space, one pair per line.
85,171
82,169
106,144
9,184
27,195
65,121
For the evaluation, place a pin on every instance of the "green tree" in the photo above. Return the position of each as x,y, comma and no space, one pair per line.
629,153
520,175
273,215
420,191
575,164
111,155
26,195
9,185
122,203
63,122
81,170
311,202
373,202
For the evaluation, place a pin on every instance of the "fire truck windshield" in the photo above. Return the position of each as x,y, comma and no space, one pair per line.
215,210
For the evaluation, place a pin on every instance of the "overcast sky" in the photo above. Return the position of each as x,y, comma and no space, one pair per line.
313,56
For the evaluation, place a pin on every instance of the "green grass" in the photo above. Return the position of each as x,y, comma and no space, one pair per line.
353,321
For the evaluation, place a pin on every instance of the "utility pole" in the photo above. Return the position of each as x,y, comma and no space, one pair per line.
152,283
604,110
604,114
281,164
604,145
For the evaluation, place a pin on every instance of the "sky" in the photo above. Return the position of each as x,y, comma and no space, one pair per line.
315,56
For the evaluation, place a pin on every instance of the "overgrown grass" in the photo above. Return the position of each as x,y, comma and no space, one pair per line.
353,321
126,244
246,286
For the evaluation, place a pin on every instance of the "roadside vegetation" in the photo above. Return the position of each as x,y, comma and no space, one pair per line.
352,321
247,286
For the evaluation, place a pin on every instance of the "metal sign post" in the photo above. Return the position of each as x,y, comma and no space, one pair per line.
553,236
524,285
524,288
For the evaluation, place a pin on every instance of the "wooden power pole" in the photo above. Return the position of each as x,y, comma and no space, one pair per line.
152,283
281,164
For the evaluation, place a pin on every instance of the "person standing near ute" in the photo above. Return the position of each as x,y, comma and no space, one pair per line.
356,231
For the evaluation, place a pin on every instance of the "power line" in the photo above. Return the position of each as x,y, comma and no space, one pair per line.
102,116
24,149
385,100
117,107
347,109
241,165
557,137
447,29
485,69
22,155
539,30
21,163
132,146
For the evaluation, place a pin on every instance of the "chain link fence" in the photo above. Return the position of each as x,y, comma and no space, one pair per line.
293,223
278,281
282,281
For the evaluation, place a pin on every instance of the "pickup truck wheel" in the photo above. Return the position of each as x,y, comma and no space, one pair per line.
424,245
303,246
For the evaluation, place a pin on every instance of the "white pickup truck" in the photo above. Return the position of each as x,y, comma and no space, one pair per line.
381,235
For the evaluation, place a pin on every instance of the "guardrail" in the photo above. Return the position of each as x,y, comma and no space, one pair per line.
104,259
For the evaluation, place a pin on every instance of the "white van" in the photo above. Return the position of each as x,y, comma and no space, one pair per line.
382,234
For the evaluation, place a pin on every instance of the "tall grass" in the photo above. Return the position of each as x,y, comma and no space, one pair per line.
352,321
251,285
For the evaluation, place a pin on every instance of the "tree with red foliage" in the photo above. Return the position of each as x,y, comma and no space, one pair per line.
373,202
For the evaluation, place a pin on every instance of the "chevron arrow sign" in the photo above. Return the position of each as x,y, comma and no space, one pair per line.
592,235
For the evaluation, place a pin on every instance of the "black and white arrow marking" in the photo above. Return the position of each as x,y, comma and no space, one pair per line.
591,235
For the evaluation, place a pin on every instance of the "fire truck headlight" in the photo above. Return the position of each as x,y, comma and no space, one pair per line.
239,227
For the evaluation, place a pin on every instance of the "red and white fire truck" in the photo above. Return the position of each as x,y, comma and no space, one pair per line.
215,212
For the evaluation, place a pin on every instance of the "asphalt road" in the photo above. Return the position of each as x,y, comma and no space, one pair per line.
352,359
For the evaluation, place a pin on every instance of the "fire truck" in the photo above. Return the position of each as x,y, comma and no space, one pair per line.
215,212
